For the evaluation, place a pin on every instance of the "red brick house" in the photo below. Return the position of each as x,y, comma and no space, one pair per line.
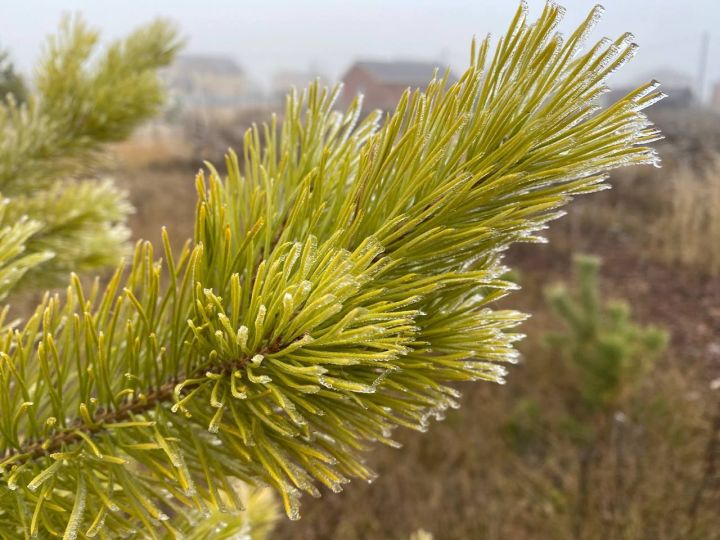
382,83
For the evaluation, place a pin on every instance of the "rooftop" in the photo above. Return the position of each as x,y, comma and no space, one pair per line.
402,72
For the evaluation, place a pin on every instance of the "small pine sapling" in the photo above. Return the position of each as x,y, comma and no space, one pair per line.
604,353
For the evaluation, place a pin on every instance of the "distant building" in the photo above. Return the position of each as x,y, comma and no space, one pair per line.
210,83
679,88
677,98
382,83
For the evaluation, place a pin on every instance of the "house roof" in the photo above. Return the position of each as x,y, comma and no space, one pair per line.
208,63
405,73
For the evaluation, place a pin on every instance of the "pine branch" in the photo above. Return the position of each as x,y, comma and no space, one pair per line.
80,225
52,136
14,261
338,283
50,144
127,410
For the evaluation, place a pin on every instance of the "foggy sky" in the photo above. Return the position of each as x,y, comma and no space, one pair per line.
326,36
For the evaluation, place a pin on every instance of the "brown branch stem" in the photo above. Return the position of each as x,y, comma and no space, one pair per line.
142,404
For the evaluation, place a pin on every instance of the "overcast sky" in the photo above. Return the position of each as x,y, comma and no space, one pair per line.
326,36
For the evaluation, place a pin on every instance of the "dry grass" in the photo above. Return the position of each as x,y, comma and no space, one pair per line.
688,230
161,187
153,146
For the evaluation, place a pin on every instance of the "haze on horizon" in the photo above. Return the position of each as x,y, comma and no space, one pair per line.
326,37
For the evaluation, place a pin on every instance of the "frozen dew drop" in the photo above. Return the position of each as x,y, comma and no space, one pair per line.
371,477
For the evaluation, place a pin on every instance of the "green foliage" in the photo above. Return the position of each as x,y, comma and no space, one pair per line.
421,535
338,282
14,261
604,352
525,425
11,82
255,522
50,144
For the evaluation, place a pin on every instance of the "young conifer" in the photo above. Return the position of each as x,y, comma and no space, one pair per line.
603,354
339,283
603,350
